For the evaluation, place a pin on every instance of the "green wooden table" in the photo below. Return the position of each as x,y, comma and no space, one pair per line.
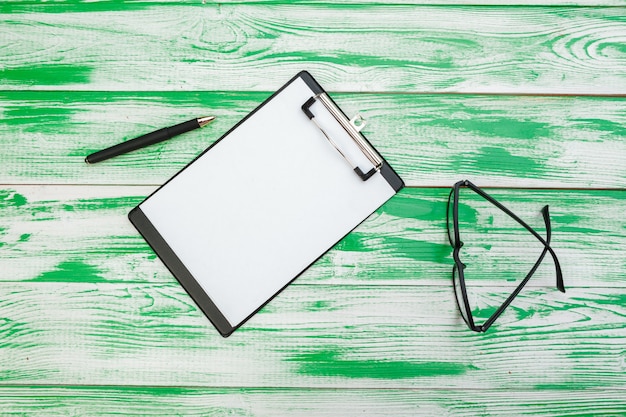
524,98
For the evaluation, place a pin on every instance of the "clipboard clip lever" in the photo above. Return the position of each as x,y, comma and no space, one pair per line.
353,129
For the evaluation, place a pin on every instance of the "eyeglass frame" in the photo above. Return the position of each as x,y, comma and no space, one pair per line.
460,266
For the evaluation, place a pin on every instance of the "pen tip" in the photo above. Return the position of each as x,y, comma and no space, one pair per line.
203,121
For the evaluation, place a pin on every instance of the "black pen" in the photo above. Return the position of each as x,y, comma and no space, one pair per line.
149,139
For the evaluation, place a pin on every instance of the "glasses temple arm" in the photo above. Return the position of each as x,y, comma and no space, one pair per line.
546,217
546,249
557,264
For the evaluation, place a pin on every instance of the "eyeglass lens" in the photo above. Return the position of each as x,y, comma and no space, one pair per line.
458,292
450,218
459,295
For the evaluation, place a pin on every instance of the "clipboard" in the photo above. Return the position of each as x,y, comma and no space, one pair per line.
264,202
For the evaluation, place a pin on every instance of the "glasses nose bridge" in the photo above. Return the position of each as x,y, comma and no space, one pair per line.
456,255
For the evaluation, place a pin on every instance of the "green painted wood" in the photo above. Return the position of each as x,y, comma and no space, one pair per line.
91,323
311,336
529,50
431,140
68,6
80,234
168,401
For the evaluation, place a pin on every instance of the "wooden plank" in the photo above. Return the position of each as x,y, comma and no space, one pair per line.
431,140
311,336
81,234
258,47
168,401
68,6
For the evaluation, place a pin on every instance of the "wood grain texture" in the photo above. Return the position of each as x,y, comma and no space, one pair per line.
311,336
67,6
529,50
169,401
431,140
81,234
91,323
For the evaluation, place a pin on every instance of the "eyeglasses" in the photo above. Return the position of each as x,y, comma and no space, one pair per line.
458,276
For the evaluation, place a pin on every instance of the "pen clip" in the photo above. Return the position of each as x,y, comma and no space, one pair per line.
366,165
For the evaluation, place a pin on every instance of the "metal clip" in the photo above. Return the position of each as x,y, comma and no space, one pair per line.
352,127
358,122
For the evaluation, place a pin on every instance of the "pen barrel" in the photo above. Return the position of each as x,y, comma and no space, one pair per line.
143,141
182,128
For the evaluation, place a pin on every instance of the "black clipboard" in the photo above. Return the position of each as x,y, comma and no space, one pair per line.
264,202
